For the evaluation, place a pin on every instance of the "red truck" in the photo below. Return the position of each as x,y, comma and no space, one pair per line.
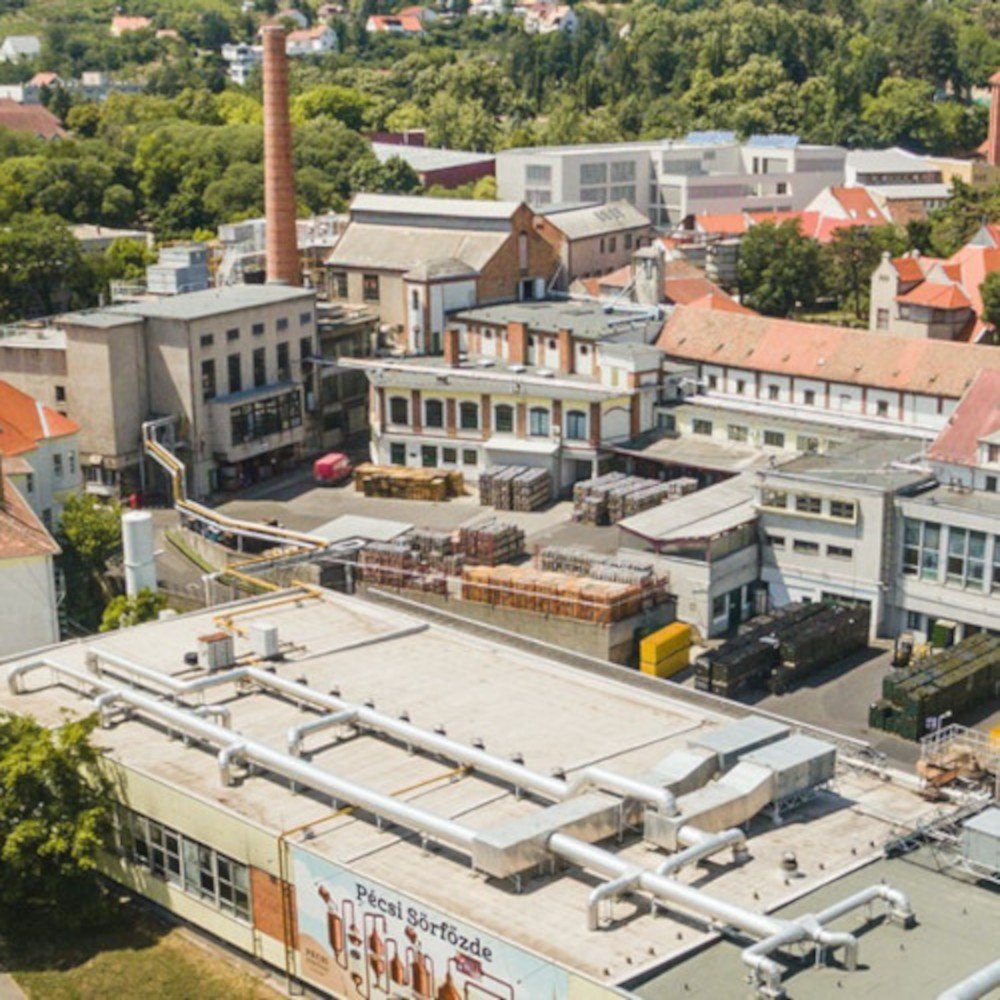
332,468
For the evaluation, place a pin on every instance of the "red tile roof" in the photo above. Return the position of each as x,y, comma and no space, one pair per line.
972,264
934,295
833,353
24,421
683,290
908,268
721,302
44,79
29,118
975,417
22,535
858,204
728,224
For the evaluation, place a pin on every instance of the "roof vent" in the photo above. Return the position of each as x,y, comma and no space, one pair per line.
404,716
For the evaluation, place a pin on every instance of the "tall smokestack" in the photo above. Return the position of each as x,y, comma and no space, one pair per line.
279,182
993,138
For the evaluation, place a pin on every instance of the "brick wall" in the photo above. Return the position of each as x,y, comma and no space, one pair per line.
268,918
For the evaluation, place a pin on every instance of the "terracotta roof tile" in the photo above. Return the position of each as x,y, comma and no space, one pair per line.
24,421
812,350
908,268
975,417
858,204
934,295
22,535
729,224
721,302
30,118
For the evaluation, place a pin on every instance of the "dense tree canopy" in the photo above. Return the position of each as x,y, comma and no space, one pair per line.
779,268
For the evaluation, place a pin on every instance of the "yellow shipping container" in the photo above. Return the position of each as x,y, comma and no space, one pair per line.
668,667
665,642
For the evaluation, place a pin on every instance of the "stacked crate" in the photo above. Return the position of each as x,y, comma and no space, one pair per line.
387,564
681,487
490,542
515,487
532,489
643,499
666,651
609,498
403,483
819,642
942,684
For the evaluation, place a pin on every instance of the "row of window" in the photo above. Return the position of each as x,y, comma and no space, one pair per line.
741,434
258,360
256,329
809,396
610,244
431,457
806,548
539,418
962,554
369,286
199,870
807,503
262,417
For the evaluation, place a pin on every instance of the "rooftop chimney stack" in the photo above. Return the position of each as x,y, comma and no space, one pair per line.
279,183
993,137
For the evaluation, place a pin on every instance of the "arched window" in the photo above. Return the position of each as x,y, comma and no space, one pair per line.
576,425
468,417
399,410
503,419
433,413
538,421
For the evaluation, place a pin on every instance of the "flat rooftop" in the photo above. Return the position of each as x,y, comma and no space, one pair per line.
590,320
555,715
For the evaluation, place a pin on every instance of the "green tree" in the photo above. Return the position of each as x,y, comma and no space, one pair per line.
123,611
331,101
55,818
89,534
851,257
778,268
990,291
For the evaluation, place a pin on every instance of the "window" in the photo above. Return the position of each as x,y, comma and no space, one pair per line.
776,541
991,484
538,421
713,381
71,461
29,485
282,324
881,319
881,408
921,549
720,607
594,173
628,241
449,456
602,245
774,439
774,498
208,380
538,173
233,370
57,466
338,284
433,413
843,510
576,425
468,416
737,432
399,410
993,453
259,367
805,548
809,397
773,391
397,453
781,187
207,339
284,368
612,244
234,333
469,456
966,557
503,419
274,415
305,353
623,171
805,504
741,386
808,444
305,318
369,288
198,869
428,456
700,426
839,552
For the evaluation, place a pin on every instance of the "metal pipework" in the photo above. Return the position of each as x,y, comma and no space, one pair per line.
899,904
609,890
766,972
977,985
297,733
226,757
608,781
704,845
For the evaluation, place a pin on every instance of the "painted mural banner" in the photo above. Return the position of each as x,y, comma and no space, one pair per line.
362,941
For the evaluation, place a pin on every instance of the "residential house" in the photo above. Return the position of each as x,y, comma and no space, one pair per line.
917,296
222,367
448,168
546,18
415,260
96,238
44,441
670,180
18,48
394,24
32,119
290,15
593,240
241,59
123,24
315,41
29,616
906,186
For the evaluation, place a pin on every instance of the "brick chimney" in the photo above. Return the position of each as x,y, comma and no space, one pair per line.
451,347
279,182
993,137
517,344
566,352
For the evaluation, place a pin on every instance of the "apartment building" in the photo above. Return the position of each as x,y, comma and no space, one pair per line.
415,260
670,180
224,365
535,383
40,453
918,296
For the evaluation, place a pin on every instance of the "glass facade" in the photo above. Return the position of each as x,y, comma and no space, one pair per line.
257,419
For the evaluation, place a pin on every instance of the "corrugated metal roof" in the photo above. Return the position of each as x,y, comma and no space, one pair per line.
596,220
423,158
988,822
452,208
403,248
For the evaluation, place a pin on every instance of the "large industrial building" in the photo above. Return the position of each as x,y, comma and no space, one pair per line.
382,807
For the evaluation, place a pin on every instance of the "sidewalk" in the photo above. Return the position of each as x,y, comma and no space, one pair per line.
9,990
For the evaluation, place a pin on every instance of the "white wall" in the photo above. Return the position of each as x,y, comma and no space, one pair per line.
28,617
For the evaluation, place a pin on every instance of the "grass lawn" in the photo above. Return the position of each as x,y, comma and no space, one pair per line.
137,957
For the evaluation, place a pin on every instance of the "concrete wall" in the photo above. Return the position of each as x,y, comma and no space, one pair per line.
34,370
28,616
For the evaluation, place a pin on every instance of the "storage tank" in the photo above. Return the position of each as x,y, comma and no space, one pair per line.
139,554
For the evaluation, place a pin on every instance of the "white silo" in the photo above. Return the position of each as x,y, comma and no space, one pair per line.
140,556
